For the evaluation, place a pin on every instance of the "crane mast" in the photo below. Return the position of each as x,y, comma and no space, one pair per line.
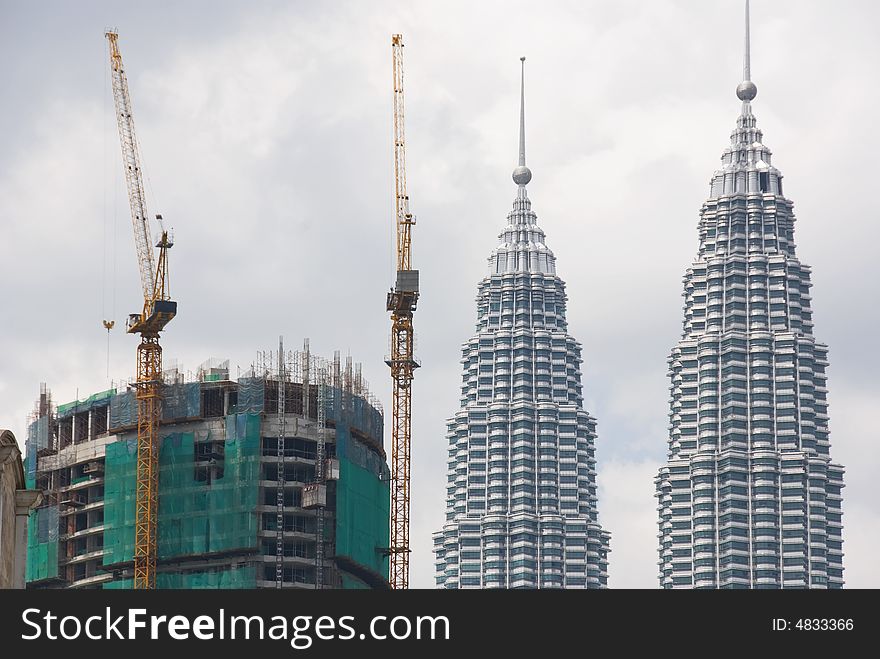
401,302
158,310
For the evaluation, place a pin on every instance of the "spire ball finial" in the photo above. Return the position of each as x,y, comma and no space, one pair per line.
522,174
746,90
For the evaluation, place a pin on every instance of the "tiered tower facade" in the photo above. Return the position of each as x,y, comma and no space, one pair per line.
521,491
749,496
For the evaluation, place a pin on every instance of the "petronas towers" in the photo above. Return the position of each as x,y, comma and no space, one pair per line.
749,496
521,490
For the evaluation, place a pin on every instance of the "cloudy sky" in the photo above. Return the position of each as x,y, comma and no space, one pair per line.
266,137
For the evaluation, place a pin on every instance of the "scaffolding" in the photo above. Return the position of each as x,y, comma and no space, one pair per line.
320,487
279,486
214,464
197,518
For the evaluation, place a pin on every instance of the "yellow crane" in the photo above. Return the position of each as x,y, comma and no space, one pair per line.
158,310
401,302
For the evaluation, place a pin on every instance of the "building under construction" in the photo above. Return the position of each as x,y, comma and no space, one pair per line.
275,479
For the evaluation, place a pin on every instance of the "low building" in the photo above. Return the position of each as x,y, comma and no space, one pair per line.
16,502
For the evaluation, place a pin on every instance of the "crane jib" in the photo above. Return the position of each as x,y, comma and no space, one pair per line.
133,174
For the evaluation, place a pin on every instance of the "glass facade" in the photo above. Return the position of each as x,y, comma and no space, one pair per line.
521,490
749,496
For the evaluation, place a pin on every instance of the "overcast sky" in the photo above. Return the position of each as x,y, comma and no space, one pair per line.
266,136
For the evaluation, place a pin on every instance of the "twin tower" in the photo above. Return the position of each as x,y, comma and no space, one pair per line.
748,497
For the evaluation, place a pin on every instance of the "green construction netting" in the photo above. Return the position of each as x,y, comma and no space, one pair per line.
363,493
37,438
346,409
195,517
362,515
234,577
251,395
352,583
94,400
42,549
123,410
181,401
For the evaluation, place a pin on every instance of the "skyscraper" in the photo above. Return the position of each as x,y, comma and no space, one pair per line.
749,496
521,490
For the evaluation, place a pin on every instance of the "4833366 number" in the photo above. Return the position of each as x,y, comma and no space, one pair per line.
824,624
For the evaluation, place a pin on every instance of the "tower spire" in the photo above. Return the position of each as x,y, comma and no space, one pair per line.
747,90
747,62
522,174
522,112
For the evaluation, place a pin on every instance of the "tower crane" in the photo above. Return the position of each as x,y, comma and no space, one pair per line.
401,302
158,310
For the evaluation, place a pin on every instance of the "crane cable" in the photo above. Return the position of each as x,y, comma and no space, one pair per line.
108,323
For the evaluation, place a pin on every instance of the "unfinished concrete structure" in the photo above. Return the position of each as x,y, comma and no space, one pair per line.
15,503
260,485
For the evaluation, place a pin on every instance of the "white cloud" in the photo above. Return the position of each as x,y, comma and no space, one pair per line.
629,511
266,131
